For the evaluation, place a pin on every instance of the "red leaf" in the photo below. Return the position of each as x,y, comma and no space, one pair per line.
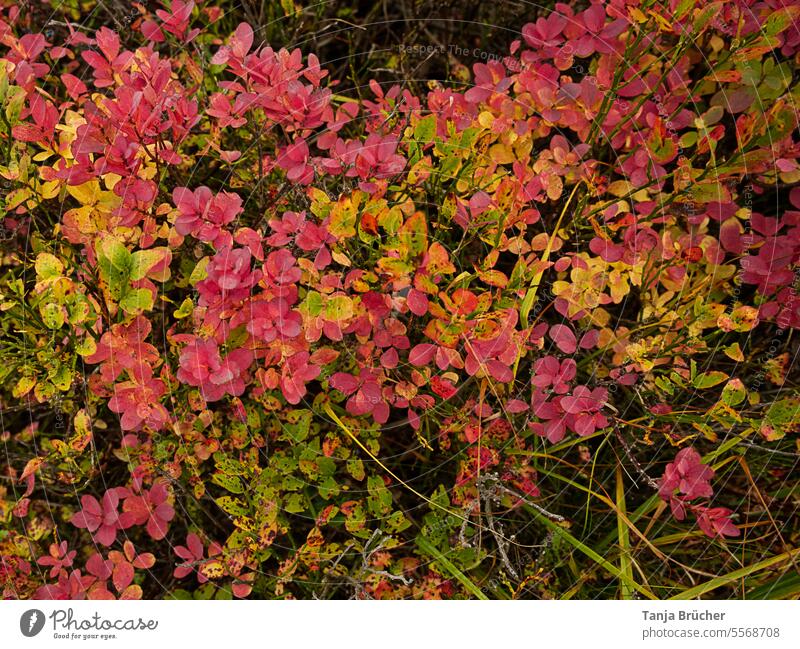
122,576
564,338
417,302
421,354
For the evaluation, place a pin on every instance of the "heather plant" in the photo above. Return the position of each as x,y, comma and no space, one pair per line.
523,331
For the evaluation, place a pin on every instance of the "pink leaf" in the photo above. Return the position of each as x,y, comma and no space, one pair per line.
122,576
417,302
421,354
564,338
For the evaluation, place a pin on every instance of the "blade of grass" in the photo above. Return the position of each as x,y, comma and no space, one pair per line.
581,547
613,507
724,580
575,589
530,295
625,564
785,586
430,549
595,457
757,491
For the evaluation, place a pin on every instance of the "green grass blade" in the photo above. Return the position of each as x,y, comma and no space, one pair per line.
581,547
785,586
724,580
427,547
625,563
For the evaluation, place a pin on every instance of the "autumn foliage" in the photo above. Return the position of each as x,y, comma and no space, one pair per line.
530,334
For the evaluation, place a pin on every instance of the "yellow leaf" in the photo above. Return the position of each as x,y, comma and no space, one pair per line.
48,266
339,308
734,352
486,119
86,194
31,467
24,385
49,189
212,569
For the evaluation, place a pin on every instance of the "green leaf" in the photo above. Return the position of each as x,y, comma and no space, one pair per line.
298,424
396,522
206,591
380,498
313,304
52,315
708,380
295,503
229,465
48,266
709,191
115,262
734,351
734,392
143,260
237,337
61,377
136,301
339,309
117,254
782,417
704,16
425,129
15,103
232,506
185,310
229,482
683,8
199,272
779,21
328,488
23,386
343,217
289,8
86,346
355,468
413,236
79,308
665,384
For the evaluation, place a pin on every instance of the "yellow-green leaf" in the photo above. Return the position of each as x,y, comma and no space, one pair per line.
708,380
48,266
136,301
